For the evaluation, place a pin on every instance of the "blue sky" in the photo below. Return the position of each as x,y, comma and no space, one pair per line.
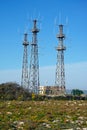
16,18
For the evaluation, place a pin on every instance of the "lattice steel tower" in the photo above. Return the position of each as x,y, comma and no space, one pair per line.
24,80
34,62
60,71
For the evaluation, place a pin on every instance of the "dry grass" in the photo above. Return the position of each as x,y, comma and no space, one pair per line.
43,115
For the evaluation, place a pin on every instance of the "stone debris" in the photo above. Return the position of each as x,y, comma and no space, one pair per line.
76,129
9,113
18,125
46,125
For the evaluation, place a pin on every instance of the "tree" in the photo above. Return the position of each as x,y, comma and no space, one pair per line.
77,92
13,91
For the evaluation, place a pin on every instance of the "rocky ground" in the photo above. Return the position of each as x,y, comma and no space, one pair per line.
43,115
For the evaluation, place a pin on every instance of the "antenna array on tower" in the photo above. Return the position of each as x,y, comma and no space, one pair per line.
30,80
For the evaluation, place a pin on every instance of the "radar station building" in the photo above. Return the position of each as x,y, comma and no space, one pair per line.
51,90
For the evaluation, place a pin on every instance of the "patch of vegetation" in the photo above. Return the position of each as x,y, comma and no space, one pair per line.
43,115
21,110
77,92
13,91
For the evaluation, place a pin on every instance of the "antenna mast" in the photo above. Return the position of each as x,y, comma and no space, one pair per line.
24,80
34,62
60,72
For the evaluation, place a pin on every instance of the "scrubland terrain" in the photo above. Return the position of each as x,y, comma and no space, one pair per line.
43,115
